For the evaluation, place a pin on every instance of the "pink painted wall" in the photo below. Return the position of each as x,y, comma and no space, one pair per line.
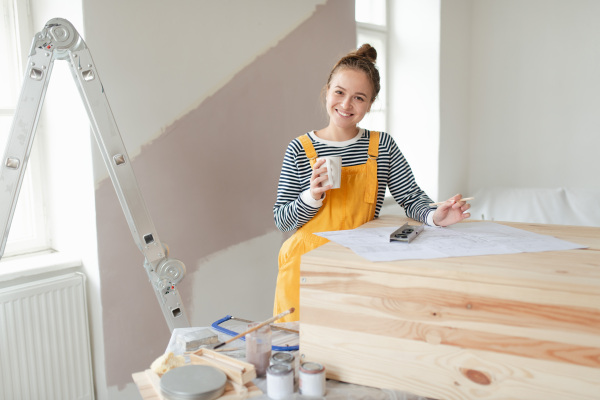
210,181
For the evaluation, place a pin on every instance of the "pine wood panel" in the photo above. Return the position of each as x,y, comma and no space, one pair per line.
487,327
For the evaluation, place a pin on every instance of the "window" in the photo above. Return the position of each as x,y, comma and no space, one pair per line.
371,27
27,232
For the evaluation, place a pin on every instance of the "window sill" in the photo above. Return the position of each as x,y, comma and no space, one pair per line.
35,264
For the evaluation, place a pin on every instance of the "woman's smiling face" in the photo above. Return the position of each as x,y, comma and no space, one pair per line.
348,97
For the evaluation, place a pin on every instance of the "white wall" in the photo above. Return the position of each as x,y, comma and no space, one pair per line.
535,94
499,99
534,101
454,89
158,62
414,96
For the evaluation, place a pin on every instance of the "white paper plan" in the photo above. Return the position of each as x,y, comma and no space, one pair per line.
459,240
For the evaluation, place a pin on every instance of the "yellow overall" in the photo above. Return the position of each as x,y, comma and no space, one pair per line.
348,207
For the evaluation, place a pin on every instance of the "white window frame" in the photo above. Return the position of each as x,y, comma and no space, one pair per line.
377,35
28,231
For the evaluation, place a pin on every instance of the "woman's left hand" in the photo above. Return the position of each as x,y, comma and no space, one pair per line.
451,212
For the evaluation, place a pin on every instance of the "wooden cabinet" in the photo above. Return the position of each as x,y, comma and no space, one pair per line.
523,326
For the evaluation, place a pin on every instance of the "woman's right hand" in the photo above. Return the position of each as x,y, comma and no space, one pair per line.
317,191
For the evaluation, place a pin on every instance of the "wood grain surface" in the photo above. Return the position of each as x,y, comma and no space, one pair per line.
523,326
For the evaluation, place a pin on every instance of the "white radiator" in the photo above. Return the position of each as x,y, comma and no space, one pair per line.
44,340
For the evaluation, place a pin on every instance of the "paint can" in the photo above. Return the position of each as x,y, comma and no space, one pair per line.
282,357
280,381
312,379
193,382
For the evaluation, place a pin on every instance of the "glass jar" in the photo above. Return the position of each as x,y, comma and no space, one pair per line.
258,348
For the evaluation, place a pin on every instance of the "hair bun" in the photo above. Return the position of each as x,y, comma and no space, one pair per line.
367,51
363,60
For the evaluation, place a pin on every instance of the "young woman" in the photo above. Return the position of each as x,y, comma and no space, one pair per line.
371,161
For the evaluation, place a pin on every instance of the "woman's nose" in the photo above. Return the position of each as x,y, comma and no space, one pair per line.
347,101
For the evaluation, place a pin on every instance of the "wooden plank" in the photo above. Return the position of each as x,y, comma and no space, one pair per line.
145,386
154,380
437,299
552,270
487,327
548,270
237,371
530,331
443,372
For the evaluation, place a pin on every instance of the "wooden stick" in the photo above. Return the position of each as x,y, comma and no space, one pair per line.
254,328
219,361
442,202
224,359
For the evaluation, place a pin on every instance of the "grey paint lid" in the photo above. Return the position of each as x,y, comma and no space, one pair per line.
193,382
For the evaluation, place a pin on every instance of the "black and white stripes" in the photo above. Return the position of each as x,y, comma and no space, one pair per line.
393,171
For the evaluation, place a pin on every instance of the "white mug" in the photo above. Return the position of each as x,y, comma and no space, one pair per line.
334,171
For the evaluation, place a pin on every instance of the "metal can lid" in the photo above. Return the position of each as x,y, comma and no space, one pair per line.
193,382
279,369
282,357
311,367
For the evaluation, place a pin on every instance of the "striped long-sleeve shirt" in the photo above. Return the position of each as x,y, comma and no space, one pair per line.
291,211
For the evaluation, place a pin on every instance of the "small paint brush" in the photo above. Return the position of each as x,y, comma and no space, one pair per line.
254,328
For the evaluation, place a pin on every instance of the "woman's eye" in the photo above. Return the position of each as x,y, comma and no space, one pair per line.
360,98
338,92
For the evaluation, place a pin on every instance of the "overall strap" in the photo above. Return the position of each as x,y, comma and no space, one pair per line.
309,149
373,153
